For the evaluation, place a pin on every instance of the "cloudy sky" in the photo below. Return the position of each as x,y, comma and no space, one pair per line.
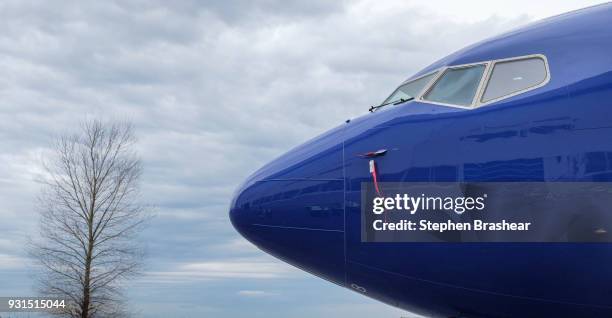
215,89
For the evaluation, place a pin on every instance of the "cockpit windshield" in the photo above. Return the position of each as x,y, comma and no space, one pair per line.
409,90
457,86
475,84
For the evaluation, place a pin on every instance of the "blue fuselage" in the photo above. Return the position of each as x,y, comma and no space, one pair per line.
305,206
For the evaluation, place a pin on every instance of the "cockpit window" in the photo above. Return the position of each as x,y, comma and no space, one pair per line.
409,90
475,84
514,76
457,86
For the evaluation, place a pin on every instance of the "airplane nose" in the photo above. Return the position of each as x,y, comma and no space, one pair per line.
237,222
299,222
240,214
293,209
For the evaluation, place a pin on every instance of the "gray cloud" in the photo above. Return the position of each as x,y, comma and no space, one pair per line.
215,89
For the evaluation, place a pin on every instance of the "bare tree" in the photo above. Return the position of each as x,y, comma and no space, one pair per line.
89,216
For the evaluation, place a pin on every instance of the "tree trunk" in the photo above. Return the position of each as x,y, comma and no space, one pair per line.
88,257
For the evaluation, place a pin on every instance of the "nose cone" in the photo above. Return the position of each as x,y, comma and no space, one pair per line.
300,222
238,214
235,217
294,210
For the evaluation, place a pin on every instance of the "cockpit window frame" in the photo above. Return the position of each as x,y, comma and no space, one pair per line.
443,71
414,79
484,80
480,103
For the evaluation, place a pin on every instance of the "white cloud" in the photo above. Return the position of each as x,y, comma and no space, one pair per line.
256,293
8,262
474,10
223,269
237,245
